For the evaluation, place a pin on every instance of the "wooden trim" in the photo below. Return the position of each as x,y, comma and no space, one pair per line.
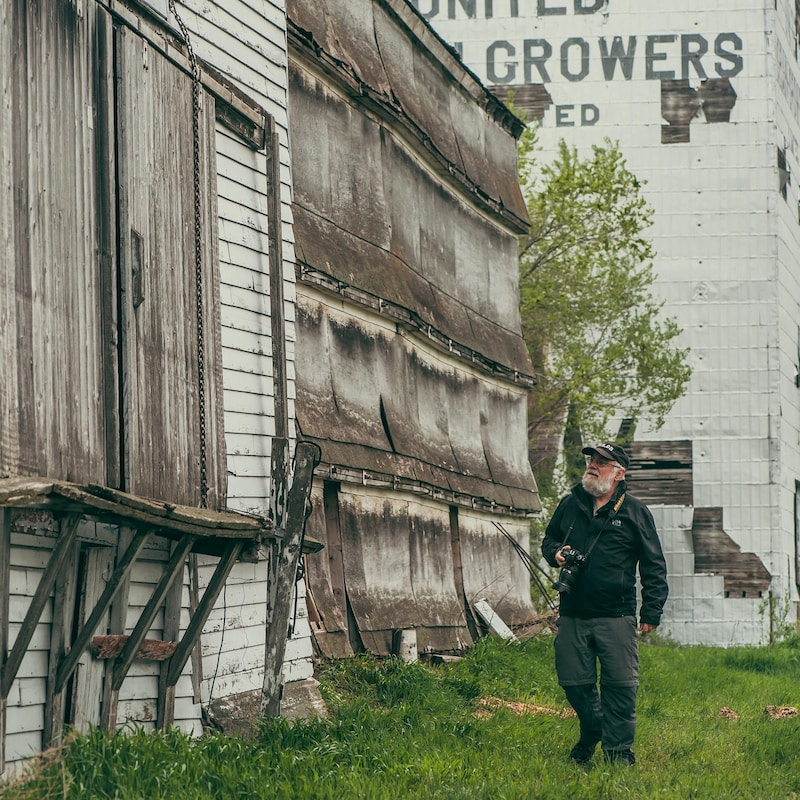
57,561
277,311
244,115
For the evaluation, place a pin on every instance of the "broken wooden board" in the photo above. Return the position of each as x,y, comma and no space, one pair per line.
495,625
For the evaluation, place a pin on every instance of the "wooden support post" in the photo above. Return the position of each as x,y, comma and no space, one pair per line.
115,583
197,650
55,564
286,577
97,568
117,620
173,568
165,704
199,618
60,629
5,575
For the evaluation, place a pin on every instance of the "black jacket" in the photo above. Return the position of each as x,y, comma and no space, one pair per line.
606,583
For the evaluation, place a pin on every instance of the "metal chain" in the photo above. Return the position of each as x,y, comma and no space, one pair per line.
198,251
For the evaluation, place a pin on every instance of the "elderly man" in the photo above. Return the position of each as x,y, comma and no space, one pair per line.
598,535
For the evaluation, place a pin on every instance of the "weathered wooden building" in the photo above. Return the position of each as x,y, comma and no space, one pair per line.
157,333
411,370
146,313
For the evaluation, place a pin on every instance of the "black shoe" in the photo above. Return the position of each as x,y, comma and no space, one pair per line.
582,752
624,757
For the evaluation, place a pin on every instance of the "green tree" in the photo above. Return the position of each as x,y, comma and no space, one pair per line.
599,342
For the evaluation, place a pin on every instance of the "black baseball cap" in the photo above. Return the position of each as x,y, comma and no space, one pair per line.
609,451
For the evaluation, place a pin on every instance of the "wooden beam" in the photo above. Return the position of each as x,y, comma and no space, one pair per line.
174,567
286,577
277,310
115,583
55,564
107,648
181,656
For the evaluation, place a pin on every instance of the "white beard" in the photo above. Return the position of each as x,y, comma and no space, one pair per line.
598,487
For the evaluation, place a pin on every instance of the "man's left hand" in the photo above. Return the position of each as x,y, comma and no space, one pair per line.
645,628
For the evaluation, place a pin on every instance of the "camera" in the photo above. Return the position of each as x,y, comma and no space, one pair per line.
573,561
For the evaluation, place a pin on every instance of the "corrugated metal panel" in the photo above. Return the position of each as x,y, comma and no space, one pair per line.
399,572
404,72
376,401
491,567
366,214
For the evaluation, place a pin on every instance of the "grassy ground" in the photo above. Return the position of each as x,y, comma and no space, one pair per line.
411,731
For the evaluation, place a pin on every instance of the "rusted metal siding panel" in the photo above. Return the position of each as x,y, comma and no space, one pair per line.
419,79
52,393
377,401
491,567
399,571
367,214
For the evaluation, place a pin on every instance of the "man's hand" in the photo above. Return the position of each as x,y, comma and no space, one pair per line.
560,560
645,628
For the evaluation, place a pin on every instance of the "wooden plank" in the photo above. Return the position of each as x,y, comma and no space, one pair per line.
116,624
60,629
55,564
165,703
115,583
277,310
111,646
87,686
191,637
493,621
286,577
5,562
172,570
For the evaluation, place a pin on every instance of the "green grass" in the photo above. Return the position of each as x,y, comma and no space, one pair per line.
411,731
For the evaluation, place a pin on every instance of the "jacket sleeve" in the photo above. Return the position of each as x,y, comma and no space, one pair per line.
553,538
652,571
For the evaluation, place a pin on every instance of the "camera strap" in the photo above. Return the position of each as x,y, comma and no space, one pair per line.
612,514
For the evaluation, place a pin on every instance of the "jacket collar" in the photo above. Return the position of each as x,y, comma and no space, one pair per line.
586,501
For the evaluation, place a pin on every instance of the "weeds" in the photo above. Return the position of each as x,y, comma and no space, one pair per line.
465,730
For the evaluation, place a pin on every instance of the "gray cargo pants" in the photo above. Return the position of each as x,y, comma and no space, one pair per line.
607,716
